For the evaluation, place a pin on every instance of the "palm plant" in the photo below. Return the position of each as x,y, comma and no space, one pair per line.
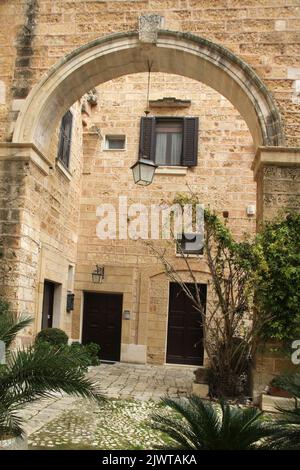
287,435
34,373
201,425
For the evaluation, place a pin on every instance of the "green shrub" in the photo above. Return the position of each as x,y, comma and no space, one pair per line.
4,306
90,351
289,382
81,359
93,350
53,336
277,290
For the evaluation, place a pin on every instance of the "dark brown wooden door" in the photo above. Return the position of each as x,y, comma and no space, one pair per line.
102,318
185,333
48,299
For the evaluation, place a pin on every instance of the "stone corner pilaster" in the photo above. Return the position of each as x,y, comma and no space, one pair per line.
27,152
275,156
277,173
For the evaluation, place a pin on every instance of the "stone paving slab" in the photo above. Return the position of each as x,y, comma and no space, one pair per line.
119,380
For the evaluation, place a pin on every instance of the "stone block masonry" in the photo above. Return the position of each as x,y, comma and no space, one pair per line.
47,213
264,34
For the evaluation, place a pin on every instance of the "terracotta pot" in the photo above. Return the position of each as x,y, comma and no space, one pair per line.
14,443
279,392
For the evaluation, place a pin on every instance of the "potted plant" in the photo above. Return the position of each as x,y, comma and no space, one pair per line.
276,389
30,374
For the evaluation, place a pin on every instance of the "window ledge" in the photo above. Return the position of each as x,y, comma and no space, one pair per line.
171,170
189,255
65,172
114,150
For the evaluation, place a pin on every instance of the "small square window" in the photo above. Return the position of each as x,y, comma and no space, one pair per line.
190,243
115,142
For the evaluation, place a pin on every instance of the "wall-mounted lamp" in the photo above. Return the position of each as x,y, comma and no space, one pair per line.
70,301
98,274
250,210
126,314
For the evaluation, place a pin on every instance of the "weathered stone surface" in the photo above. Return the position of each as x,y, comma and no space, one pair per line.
148,27
200,389
48,215
120,381
271,404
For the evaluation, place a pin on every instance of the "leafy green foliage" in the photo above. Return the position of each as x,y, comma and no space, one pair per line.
231,329
53,336
277,288
289,382
35,373
90,351
10,324
202,425
287,433
257,278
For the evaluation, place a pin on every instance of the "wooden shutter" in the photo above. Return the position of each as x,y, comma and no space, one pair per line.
65,138
147,138
190,141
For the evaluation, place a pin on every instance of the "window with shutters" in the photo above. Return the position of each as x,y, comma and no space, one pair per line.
169,141
65,136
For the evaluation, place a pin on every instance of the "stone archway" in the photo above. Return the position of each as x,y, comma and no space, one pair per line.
125,53
111,57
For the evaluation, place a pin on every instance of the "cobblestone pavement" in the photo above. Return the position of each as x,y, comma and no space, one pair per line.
141,382
110,425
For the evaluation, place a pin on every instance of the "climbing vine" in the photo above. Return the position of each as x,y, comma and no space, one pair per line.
277,287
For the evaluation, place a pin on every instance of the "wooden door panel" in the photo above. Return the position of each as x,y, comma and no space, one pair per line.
48,300
102,318
185,333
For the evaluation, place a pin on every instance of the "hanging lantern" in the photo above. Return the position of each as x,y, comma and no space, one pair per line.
143,171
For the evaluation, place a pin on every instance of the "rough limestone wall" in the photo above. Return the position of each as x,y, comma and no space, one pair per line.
223,179
39,227
35,34
281,188
52,215
12,252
